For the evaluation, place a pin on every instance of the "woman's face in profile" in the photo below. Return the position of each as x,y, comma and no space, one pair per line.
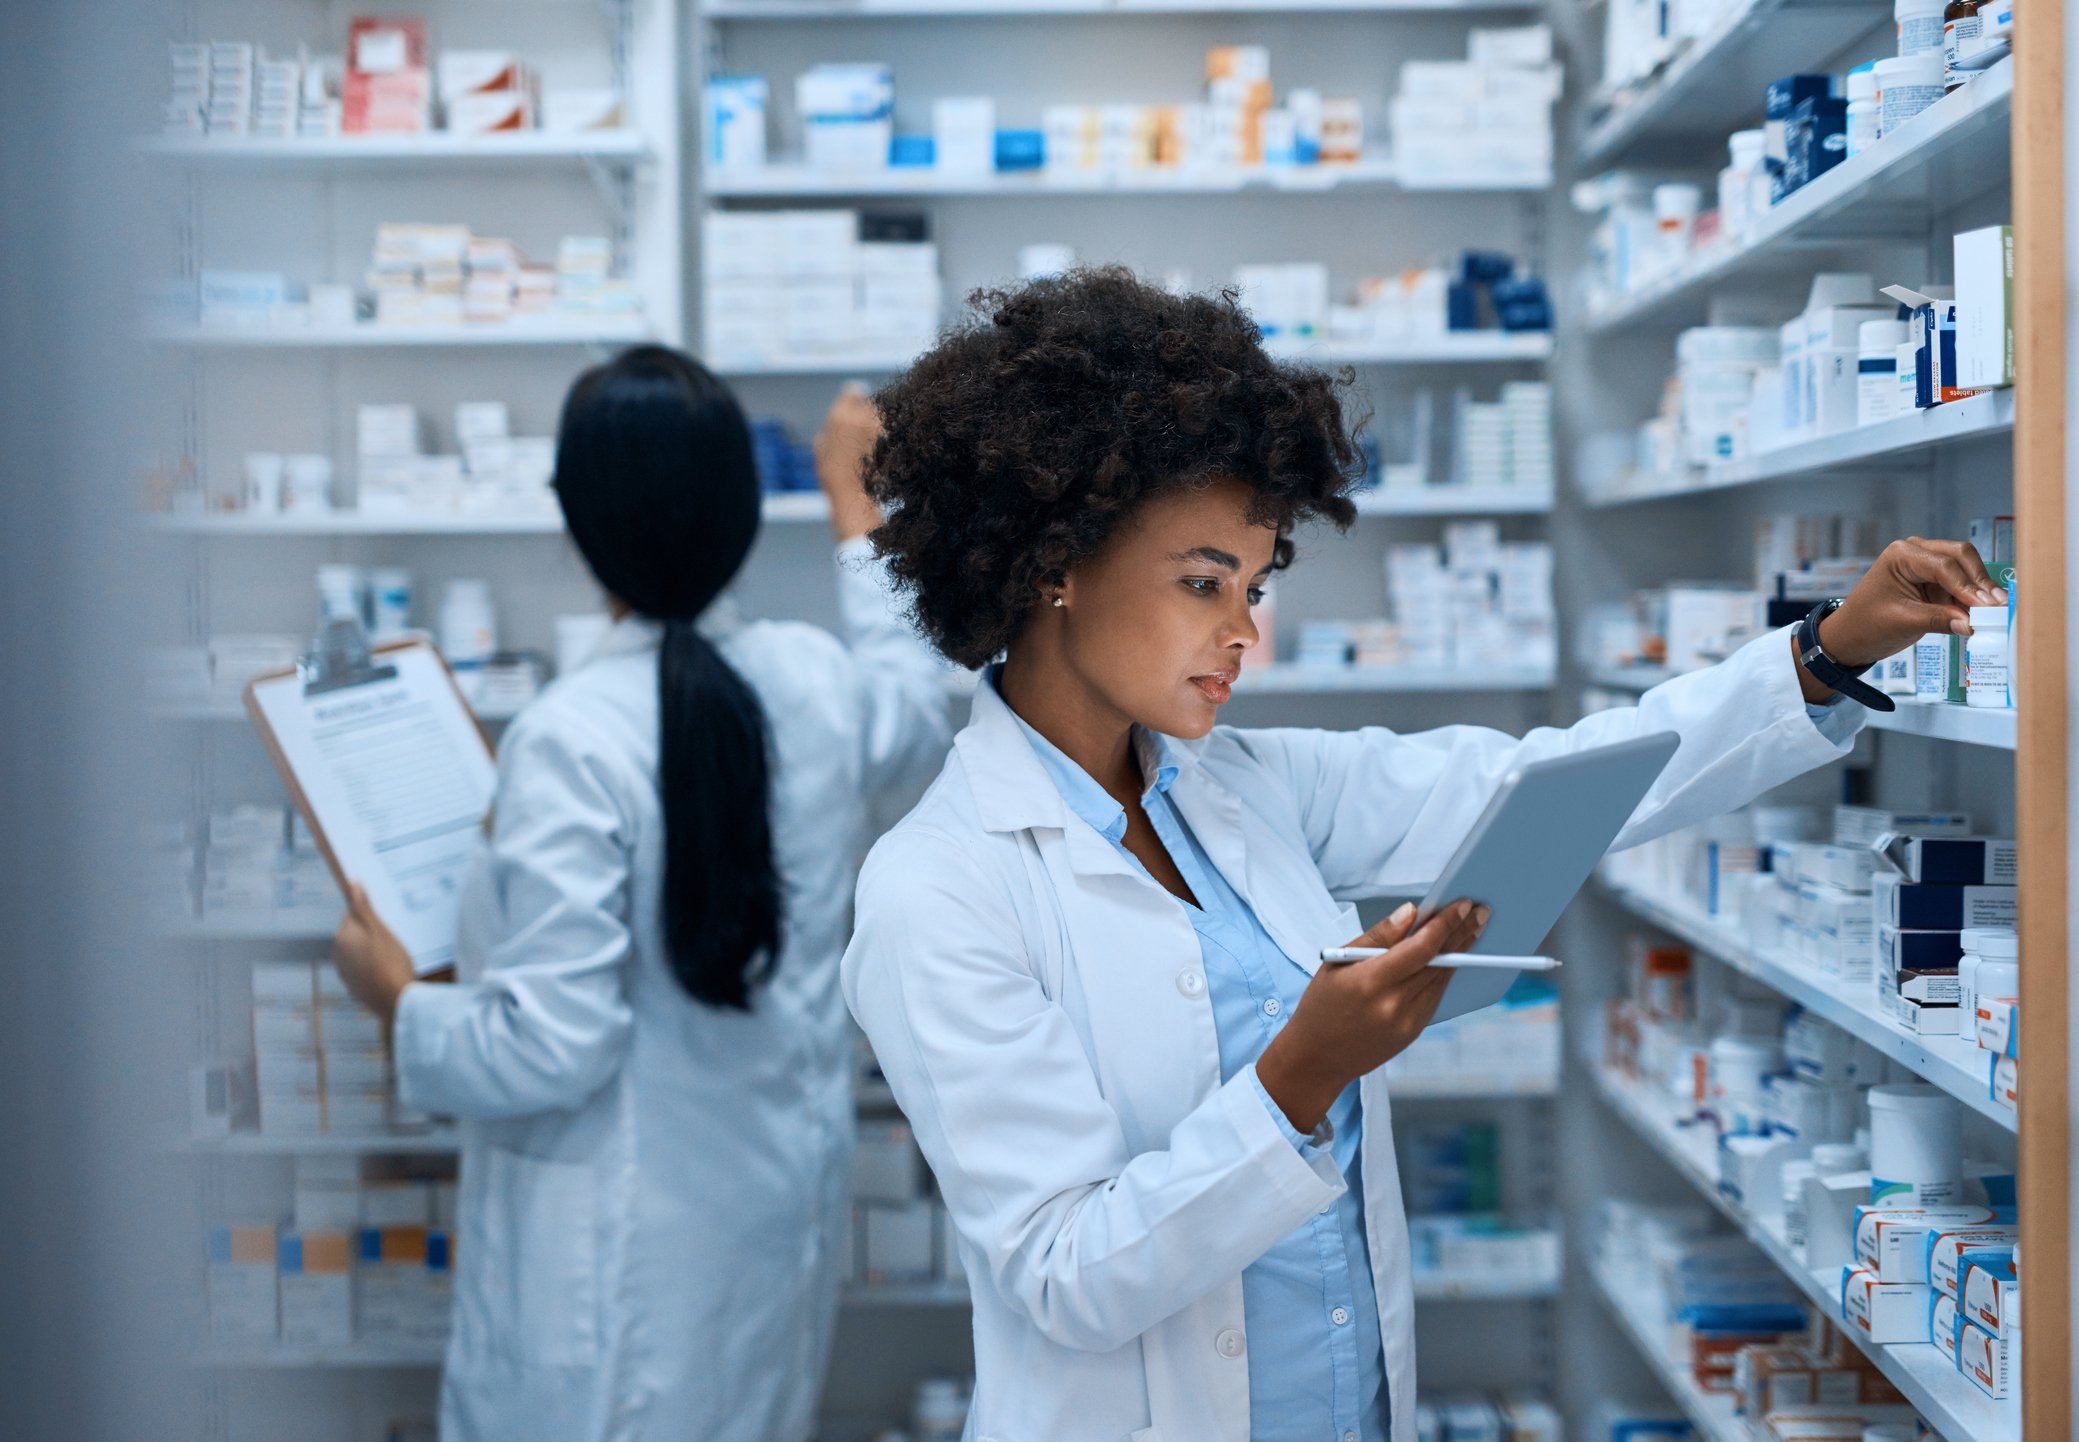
1157,623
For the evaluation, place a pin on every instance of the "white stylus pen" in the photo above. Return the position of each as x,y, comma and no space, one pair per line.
1455,960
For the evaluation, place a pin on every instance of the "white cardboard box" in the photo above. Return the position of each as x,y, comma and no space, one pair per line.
1884,1312
1985,307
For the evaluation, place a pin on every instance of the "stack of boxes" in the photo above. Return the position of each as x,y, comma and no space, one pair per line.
1287,302
1932,889
1515,1041
1503,1418
320,1061
389,89
496,472
1489,114
900,1234
232,76
790,284
359,1261
847,115
1474,601
1507,442
443,275
1942,1275
261,862
485,92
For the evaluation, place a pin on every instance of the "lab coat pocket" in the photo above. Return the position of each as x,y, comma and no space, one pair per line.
538,1275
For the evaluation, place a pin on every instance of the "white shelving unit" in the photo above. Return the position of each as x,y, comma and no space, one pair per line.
1710,88
1989,726
1949,1401
1713,1414
1463,348
437,149
1908,440
764,10
1953,1063
352,1358
786,508
435,1142
800,182
554,330
1956,144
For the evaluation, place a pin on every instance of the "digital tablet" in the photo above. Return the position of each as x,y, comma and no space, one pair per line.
1534,847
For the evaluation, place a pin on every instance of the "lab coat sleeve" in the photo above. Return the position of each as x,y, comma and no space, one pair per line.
546,1023
1383,812
901,684
1091,1242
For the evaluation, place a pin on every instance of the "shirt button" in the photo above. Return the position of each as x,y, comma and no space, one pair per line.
1272,1006
1228,1343
1349,1437
1340,1316
1190,983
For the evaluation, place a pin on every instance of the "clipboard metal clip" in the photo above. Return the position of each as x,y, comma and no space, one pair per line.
340,658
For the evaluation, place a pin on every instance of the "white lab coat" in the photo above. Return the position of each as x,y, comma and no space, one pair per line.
1039,1008
653,1191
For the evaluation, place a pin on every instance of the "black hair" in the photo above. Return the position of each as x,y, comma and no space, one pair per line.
655,474
1028,435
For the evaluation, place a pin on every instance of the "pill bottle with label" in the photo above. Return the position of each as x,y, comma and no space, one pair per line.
1919,25
389,603
1736,183
1876,370
1909,375
1916,1146
1905,87
1863,108
1981,944
468,626
1962,32
1985,657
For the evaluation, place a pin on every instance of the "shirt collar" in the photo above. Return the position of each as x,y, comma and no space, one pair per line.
1158,757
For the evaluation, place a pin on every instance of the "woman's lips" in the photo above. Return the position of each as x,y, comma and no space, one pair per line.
1216,686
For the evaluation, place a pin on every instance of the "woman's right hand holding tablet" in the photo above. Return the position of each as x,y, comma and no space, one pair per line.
1354,1018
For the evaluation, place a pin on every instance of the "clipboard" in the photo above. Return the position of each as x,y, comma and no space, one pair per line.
390,769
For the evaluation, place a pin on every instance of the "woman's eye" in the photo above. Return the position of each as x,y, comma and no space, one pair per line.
1203,585
1256,595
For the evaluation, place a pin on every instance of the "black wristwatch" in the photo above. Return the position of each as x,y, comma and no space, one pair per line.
1831,673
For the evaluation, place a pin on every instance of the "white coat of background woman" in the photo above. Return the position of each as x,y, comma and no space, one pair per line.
646,1050
1088,959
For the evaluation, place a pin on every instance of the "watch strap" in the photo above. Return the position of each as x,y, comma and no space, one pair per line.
1830,673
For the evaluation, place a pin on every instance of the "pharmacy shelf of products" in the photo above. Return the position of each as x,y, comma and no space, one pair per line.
1710,83
557,330
1991,726
1955,1064
326,152
760,10
1291,678
1974,418
1714,1414
1515,1287
788,507
1956,146
801,182
1948,1400
1472,347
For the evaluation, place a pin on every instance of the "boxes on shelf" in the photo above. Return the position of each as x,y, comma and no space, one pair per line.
1515,1042
1488,115
786,286
243,1270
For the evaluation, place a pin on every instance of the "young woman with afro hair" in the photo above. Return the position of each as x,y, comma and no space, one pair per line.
1087,960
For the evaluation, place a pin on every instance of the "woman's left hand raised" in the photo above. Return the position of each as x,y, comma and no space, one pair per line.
1916,587
371,960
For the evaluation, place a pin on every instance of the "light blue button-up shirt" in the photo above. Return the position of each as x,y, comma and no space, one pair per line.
1317,1370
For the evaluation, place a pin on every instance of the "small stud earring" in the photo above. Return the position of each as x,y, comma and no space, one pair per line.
1059,602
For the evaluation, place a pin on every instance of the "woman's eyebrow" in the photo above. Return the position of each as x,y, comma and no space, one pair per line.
1211,554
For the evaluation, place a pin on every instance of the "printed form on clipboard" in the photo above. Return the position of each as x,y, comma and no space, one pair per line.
392,772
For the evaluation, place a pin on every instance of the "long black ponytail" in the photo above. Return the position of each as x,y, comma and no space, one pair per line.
655,474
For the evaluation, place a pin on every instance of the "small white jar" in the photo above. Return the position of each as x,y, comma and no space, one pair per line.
1985,658
1916,1146
1919,25
1877,370
1864,109
1906,86
468,625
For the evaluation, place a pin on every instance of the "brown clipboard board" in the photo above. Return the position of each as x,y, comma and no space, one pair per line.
287,772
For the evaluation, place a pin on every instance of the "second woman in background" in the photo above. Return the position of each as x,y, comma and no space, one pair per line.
647,1050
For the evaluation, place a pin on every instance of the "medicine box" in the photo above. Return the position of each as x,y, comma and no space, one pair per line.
1991,1295
1932,986
1950,1252
242,1290
1891,1243
2003,1081
1922,951
1945,1326
1884,1313
1918,1017
1985,307
1914,906
317,1288
1982,1357
1867,825
1954,860
1998,1023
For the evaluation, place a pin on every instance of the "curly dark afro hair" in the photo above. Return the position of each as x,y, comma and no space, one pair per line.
1021,442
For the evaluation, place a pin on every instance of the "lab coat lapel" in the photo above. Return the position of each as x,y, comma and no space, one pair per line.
1220,822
